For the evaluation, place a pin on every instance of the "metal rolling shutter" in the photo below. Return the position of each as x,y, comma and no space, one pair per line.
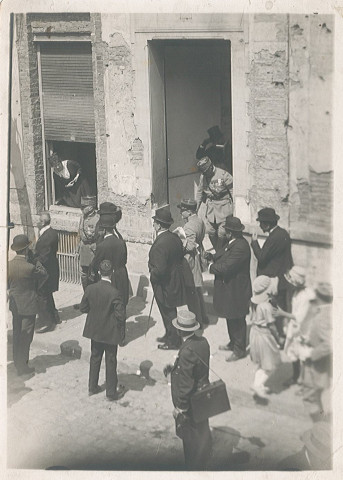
67,91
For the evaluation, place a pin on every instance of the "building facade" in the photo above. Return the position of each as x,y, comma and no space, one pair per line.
130,97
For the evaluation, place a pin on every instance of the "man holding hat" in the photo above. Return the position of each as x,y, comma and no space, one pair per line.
112,248
166,275
88,236
105,326
274,259
215,148
23,302
232,286
190,373
194,233
215,191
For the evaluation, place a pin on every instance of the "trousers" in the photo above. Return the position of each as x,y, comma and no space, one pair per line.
23,329
168,314
237,329
46,308
197,445
216,233
97,352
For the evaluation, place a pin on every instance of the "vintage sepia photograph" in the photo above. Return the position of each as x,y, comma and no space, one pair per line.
168,237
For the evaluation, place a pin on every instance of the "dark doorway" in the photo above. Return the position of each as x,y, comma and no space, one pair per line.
190,91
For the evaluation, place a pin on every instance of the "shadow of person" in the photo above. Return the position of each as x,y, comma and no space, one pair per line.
135,306
68,313
42,362
16,387
277,380
132,381
138,327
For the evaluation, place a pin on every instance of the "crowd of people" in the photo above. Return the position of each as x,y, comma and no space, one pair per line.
285,314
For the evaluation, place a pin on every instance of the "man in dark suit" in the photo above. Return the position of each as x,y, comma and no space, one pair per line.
22,280
112,248
105,326
232,286
274,259
166,275
45,253
190,373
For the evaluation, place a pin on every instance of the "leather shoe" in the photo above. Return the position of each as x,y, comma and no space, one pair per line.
45,329
166,346
121,390
98,389
232,358
228,347
162,339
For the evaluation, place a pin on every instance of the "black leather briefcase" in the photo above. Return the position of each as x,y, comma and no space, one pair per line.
209,401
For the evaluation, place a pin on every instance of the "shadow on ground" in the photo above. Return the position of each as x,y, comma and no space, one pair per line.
138,327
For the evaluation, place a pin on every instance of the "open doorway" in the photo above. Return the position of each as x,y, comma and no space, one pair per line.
190,91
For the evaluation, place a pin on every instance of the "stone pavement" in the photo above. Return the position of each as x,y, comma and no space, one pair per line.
53,422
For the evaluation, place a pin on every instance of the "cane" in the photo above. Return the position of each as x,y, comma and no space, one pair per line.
152,302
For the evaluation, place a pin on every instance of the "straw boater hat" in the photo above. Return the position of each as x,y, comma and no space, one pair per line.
296,276
261,287
20,242
187,204
163,215
186,321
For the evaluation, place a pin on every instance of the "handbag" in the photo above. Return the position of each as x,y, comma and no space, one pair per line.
210,400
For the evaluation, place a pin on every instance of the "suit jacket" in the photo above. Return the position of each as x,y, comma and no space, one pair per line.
166,267
22,285
114,249
195,232
232,285
189,373
45,252
275,257
216,194
105,313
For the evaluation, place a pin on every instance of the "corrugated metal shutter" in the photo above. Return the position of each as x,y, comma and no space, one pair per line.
67,91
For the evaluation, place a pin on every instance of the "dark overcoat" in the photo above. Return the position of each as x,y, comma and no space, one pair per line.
45,253
113,248
232,284
195,232
275,257
22,285
189,373
168,270
105,313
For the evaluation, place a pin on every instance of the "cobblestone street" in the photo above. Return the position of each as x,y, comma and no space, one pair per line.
68,428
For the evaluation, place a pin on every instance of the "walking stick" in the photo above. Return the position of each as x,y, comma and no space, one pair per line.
152,302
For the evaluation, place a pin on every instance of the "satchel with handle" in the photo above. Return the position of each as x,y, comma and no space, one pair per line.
210,400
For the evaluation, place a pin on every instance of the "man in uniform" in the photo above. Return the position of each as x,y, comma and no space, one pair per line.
215,190
166,275
23,303
88,236
190,373
232,286
46,253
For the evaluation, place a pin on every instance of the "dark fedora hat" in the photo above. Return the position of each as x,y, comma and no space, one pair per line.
108,208
215,133
20,242
233,224
163,215
267,215
188,204
107,221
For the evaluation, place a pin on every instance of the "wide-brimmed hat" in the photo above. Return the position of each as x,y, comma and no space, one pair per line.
163,215
324,290
187,204
105,268
267,215
204,164
88,201
215,133
186,321
20,242
318,442
261,287
296,276
107,221
233,224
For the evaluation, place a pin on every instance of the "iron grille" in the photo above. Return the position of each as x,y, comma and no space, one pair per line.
68,257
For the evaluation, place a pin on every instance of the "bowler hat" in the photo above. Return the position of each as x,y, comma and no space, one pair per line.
20,242
296,276
105,268
186,321
107,221
318,441
163,215
188,204
267,215
108,208
204,164
233,224
324,289
88,201
215,133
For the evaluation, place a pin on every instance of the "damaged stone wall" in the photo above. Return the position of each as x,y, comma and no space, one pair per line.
268,111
